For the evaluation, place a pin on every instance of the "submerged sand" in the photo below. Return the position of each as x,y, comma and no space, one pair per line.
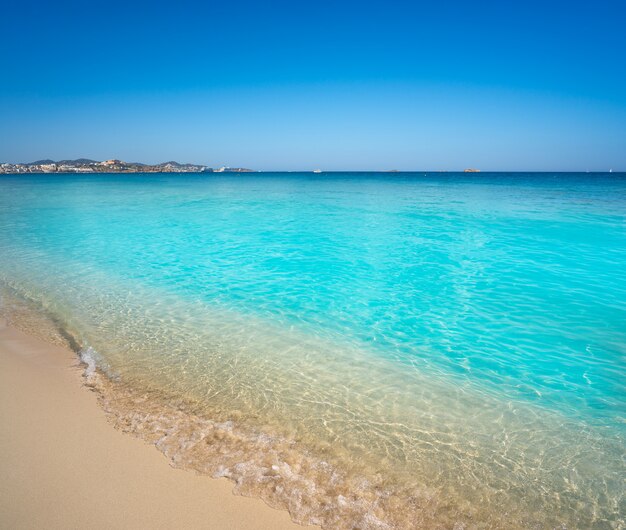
64,466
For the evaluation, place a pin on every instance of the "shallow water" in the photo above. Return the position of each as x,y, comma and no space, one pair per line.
366,350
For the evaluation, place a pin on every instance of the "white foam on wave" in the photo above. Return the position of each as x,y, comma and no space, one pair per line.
88,357
259,464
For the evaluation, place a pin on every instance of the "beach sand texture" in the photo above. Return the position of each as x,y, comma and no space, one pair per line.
63,466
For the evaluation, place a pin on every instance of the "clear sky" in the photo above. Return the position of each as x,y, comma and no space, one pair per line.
519,85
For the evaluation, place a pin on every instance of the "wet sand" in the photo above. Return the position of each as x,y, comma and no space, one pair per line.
64,466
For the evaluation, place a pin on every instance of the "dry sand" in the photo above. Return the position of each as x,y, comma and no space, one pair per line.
63,466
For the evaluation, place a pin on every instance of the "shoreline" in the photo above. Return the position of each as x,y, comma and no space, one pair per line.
65,466
44,375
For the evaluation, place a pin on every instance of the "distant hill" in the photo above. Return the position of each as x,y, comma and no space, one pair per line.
79,161
39,162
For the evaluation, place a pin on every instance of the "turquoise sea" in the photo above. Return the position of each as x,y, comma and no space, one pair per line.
367,350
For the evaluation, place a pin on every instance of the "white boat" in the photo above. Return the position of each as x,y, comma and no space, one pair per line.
317,171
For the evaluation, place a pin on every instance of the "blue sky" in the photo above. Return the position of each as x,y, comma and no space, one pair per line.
300,85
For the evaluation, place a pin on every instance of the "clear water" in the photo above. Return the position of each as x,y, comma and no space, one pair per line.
366,350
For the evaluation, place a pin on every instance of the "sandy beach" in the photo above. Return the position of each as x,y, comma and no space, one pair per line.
64,466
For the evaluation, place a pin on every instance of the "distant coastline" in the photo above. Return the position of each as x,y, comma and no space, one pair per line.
84,165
